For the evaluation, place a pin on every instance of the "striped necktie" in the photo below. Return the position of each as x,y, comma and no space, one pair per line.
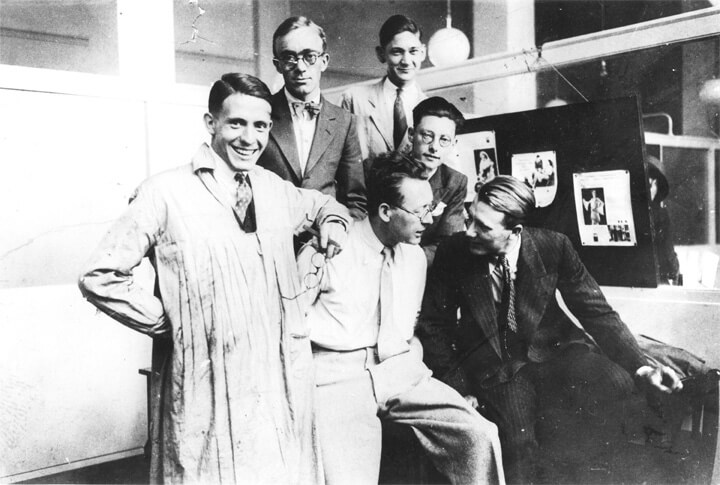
399,120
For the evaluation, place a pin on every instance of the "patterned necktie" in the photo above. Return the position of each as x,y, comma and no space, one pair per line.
508,294
311,108
243,195
399,121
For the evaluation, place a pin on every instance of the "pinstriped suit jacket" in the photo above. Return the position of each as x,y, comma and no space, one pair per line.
466,352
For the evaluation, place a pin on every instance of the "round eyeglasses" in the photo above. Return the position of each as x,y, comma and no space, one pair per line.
428,138
289,60
429,209
313,277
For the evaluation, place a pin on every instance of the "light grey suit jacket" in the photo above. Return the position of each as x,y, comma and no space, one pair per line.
375,127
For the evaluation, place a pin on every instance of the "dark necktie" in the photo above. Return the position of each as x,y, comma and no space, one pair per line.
508,293
243,195
311,108
399,121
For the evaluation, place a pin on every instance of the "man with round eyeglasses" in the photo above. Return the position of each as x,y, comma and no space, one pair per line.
368,363
313,143
432,137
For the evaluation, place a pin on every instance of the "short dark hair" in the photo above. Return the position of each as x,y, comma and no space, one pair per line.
440,107
235,82
386,173
508,195
292,23
395,25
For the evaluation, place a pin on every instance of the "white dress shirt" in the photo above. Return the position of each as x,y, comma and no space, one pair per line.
345,315
304,128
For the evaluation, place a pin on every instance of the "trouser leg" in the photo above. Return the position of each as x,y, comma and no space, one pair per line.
462,444
348,427
513,407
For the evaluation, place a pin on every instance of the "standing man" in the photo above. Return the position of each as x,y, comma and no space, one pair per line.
384,108
313,143
368,363
513,347
435,121
232,387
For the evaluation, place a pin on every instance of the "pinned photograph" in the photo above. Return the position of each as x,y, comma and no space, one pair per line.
539,171
477,158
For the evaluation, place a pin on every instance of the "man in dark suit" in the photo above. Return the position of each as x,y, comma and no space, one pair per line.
513,348
313,143
435,121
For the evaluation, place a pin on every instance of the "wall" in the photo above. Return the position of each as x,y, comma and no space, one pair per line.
70,392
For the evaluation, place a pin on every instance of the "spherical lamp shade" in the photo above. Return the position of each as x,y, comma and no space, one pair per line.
710,92
448,46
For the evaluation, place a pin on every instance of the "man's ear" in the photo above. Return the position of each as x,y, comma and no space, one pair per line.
278,68
517,229
384,212
380,53
209,123
410,132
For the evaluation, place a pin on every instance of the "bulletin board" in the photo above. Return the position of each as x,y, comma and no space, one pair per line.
585,164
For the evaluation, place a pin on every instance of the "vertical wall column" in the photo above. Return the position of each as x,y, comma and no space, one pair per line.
268,15
506,26
146,42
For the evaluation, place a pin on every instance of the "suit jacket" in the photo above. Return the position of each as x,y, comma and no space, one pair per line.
449,189
466,353
375,127
334,165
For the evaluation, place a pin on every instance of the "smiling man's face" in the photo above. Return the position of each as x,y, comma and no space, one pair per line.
240,130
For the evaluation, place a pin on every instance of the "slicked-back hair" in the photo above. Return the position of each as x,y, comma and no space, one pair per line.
395,25
292,23
385,176
440,107
508,195
235,82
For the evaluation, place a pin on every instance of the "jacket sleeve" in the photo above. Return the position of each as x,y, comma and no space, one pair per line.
438,321
585,300
108,282
350,177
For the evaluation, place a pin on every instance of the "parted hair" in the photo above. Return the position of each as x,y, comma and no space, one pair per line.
292,23
385,176
508,195
235,82
395,25
440,107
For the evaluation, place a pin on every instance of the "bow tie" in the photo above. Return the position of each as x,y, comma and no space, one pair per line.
311,107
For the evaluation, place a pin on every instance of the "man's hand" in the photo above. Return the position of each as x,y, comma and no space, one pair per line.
331,237
662,378
472,400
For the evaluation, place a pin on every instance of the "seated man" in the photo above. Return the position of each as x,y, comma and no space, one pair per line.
368,364
513,347
435,122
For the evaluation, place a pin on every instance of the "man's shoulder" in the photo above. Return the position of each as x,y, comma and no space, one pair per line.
453,177
171,177
334,111
362,91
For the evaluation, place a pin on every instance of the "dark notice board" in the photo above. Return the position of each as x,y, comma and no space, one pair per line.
587,137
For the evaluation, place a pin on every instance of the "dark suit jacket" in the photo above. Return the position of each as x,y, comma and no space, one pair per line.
449,187
334,166
466,353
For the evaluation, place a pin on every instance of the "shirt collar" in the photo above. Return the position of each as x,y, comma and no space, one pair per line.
207,159
513,255
292,99
411,90
367,235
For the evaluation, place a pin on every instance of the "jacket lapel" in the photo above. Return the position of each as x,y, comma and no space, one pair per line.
323,133
477,289
283,134
532,285
378,106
